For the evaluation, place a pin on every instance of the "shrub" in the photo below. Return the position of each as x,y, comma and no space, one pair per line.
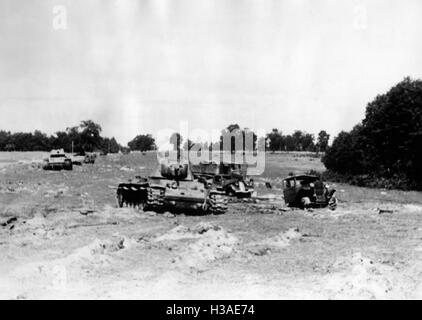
387,146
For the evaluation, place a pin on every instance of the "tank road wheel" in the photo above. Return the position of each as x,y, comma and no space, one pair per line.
218,203
68,165
131,196
155,199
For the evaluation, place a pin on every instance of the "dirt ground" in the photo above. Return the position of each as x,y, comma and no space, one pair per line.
61,237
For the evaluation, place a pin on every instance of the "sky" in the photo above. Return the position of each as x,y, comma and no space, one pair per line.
138,67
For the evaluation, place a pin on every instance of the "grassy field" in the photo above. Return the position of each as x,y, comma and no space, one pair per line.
62,237
7,158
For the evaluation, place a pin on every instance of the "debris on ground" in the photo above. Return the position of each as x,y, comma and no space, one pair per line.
213,244
203,227
381,211
168,215
103,246
177,233
208,242
281,240
127,169
267,197
8,221
86,212
358,277
260,251
272,208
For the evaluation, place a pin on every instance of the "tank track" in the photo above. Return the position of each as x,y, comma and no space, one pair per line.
217,203
155,199
131,195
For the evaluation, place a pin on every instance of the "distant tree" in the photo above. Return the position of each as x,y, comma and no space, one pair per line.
114,145
188,145
297,138
290,143
229,137
393,130
85,137
215,146
125,149
176,140
109,145
10,147
73,135
323,138
308,142
142,143
233,127
22,141
261,144
90,135
40,142
346,155
237,139
388,143
275,140
62,140
303,141
90,128
249,136
205,146
4,139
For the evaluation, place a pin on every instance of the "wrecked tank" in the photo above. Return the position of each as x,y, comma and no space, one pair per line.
57,161
90,158
172,185
230,177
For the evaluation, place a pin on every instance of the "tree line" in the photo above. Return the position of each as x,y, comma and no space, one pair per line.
83,138
385,149
298,141
86,137
233,134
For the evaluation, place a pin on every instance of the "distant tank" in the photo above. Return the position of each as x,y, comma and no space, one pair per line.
90,158
77,159
57,161
172,185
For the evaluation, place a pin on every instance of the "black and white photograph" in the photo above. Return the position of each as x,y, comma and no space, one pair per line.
204,150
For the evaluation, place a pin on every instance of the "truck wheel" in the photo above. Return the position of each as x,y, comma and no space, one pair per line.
230,191
306,202
332,203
